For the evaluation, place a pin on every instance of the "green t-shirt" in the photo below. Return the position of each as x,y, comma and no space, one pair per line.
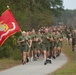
20,39
33,36
57,37
45,39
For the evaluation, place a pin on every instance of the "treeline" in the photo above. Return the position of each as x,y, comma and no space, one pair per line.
33,13
29,14
69,17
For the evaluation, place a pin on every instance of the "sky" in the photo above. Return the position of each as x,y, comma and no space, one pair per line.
69,4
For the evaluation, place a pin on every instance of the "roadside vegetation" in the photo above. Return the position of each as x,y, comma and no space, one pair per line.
70,67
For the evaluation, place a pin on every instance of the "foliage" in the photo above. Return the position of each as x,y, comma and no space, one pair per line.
69,17
6,51
26,11
10,49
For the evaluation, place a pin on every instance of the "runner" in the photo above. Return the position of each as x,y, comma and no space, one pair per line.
46,45
59,43
23,46
74,41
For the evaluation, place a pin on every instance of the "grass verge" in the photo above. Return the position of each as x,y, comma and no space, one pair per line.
8,63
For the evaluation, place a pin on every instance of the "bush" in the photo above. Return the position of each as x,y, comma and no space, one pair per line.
6,51
17,55
10,49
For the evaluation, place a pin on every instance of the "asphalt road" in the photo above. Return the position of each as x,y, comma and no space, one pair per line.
36,67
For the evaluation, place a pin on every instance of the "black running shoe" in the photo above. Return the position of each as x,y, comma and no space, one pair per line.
27,60
58,55
48,60
54,57
45,63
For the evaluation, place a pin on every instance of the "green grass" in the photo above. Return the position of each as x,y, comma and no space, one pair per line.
70,67
8,63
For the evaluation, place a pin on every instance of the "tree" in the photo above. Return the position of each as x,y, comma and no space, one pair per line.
69,17
57,7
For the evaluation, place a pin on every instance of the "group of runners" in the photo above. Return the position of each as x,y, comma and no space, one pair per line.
46,42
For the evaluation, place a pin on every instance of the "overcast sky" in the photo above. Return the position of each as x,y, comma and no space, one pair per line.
69,4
